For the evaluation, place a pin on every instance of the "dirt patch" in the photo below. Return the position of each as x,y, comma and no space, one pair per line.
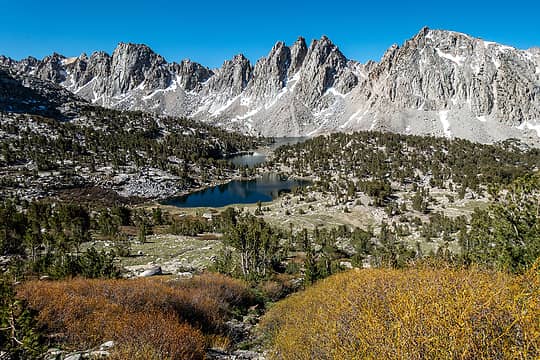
96,196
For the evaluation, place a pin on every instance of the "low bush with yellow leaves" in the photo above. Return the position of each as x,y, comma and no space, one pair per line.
417,313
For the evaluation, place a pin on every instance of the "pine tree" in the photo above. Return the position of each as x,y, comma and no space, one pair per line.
142,231
19,336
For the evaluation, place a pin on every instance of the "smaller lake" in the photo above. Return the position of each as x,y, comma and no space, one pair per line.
264,189
249,160
255,158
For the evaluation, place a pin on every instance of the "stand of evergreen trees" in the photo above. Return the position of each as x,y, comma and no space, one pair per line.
373,162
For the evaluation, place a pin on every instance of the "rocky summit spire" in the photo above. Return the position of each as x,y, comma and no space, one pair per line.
270,72
298,54
233,76
191,74
321,69
50,68
438,82
135,64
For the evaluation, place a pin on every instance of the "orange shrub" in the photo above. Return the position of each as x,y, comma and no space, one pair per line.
279,286
148,318
410,314
272,290
229,292
163,334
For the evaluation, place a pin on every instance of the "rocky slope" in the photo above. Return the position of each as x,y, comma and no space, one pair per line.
55,143
20,93
439,82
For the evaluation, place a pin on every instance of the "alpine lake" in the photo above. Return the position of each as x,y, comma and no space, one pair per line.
264,188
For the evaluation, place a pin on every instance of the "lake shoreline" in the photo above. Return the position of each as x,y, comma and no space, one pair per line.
262,155
265,187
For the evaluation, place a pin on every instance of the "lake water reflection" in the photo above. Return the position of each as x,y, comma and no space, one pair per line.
265,188
256,158
249,160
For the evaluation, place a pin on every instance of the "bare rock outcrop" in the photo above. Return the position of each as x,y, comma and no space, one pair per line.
439,82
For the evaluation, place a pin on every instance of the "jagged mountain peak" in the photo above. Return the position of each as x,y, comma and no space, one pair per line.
129,46
298,53
451,76
136,65
53,57
100,53
300,40
23,93
137,53
324,67
232,78
300,43
453,40
325,53
270,73
427,32
51,68
323,43
323,39
239,58
278,45
438,82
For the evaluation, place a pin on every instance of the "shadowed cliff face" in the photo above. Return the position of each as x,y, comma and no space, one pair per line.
439,82
30,95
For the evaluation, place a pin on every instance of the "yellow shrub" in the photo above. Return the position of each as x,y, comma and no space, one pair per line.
410,314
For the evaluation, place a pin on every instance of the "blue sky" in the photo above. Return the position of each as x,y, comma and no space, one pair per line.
210,32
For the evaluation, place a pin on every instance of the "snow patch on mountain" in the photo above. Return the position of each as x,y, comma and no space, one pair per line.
531,126
221,108
456,59
482,118
436,77
172,87
443,116
334,92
